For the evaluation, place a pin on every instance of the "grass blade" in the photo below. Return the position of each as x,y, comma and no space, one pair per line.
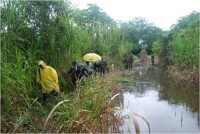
48,117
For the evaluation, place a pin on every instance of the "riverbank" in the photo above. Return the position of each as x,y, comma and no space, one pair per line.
186,77
81,111
85,110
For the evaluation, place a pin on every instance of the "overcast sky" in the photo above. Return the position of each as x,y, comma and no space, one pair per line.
163,13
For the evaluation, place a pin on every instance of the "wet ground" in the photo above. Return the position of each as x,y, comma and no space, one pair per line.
168,106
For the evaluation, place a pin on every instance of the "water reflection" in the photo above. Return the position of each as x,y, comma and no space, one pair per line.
169,106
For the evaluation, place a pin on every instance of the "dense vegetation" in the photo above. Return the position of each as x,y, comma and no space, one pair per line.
57,33
178,49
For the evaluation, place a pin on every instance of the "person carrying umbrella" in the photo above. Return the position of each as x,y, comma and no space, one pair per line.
88,58
48,78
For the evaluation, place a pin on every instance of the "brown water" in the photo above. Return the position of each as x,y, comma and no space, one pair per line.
168,106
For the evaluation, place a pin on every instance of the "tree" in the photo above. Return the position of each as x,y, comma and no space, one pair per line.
138,31
156,47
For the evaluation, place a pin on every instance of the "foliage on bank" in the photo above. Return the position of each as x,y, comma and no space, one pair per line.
179,48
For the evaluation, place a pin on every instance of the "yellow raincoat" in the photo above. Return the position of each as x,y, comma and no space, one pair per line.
48,78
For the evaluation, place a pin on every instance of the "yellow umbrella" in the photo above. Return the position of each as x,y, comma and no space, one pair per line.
91,57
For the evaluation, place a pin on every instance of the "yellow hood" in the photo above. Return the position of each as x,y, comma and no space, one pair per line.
42,63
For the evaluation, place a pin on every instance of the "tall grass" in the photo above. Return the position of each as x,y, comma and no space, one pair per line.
30,34
185,45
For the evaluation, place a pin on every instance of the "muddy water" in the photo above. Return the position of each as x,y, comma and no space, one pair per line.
168,106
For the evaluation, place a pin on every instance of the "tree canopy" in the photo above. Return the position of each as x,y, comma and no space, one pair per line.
141,33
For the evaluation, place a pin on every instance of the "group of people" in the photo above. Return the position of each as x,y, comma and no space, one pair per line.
48,77
128,60
79,72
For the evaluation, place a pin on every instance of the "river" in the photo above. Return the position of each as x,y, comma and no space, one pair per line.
167,105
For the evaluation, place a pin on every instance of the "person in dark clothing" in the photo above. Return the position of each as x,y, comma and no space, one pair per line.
77,72
89,67
128,61
100,66
74,72
152,59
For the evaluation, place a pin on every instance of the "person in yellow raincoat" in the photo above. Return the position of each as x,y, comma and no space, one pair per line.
48,78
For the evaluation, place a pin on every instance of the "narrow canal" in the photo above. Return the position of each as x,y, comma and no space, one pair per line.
168,106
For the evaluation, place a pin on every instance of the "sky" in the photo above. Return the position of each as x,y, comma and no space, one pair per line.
162,13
